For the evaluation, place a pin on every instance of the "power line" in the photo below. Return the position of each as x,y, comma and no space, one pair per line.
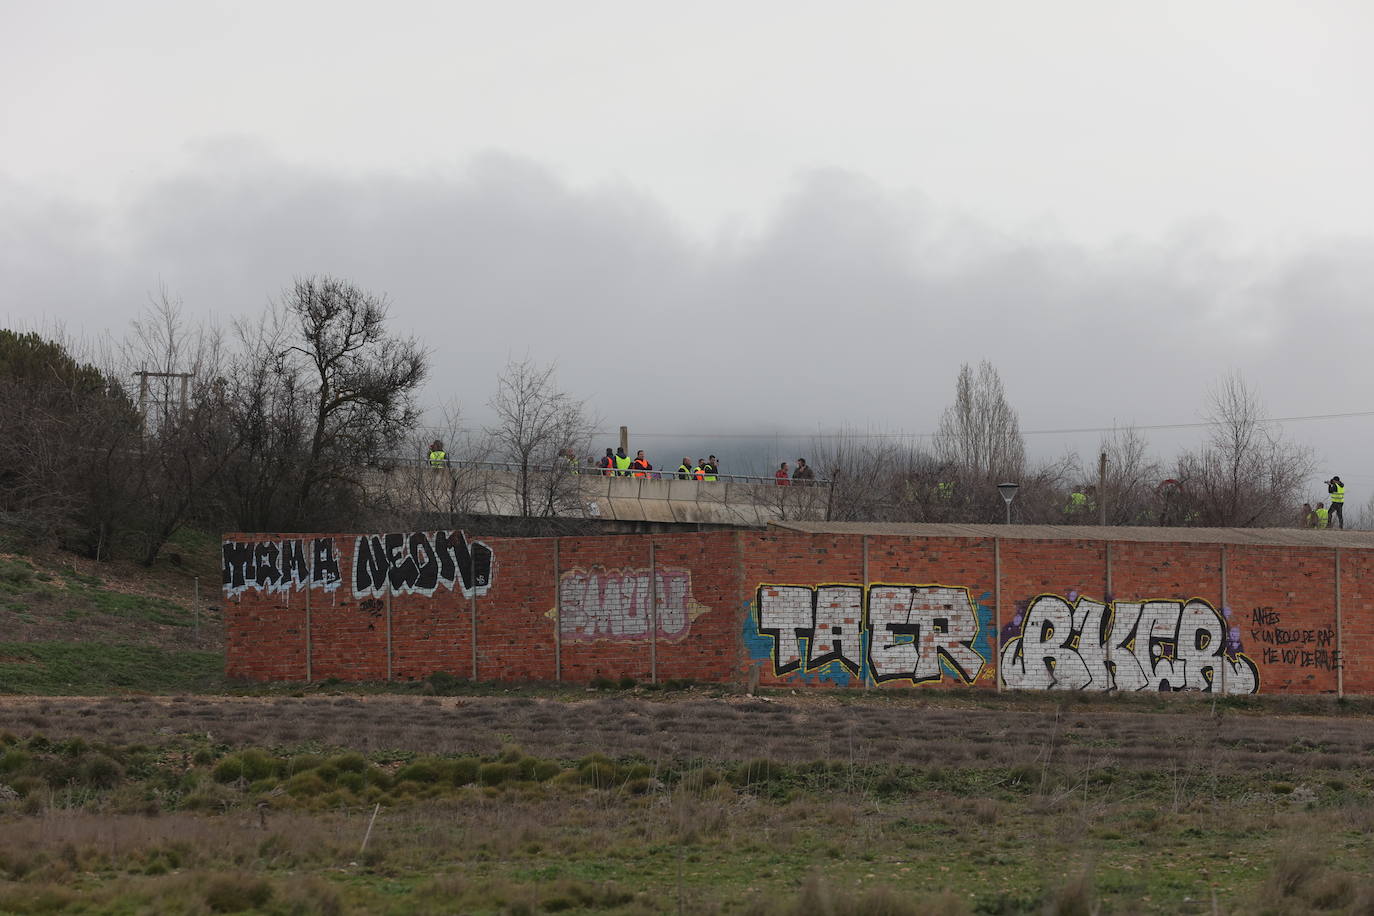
1198,424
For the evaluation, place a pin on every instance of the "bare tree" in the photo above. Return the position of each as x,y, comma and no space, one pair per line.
186,440
1247,474
270,415
320,396
362,381
536,422
416,493
979,434
1132,479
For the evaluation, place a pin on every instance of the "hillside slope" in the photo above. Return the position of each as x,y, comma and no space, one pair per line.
69,625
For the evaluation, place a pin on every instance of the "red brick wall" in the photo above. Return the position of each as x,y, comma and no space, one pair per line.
818,610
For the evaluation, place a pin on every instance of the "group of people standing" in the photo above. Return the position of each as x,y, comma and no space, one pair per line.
1322,517
802,476
616,463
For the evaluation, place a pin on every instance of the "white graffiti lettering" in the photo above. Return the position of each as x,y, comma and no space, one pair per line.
614,604
911,630
1147,645
420,562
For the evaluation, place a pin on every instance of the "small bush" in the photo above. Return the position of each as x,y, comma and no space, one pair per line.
602,683
599,773
15,761
757,771
425,770
545,770
236,893
252,764
464,772
1293,872
100,771
306,785
627,683
349,763
493,774
302,762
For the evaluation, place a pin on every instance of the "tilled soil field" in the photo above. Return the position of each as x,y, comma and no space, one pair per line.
938,731
695,801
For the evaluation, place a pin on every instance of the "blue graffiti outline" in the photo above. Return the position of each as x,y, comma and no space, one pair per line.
760,646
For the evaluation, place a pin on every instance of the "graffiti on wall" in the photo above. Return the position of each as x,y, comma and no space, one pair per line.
886,633
616,604
1300,646
1063,644
418,562
279,566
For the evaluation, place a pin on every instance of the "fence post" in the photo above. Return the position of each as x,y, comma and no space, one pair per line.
1106,597
388,630
1340,627
868,675
1225,603
557,616
653,614
472,608
309,674
997,608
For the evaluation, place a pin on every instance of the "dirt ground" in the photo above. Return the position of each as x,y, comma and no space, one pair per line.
921,731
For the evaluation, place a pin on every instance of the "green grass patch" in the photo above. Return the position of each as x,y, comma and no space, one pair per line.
80,668
84,597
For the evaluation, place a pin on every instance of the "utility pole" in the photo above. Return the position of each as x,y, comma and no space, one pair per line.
625,439
143,376
1102,489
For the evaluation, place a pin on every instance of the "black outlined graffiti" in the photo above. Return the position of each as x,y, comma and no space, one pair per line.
420,562
913,627
1125,645
901,632
278,566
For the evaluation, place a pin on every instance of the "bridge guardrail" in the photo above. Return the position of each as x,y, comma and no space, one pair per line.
584,471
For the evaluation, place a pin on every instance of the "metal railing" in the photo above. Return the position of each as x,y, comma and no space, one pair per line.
585,471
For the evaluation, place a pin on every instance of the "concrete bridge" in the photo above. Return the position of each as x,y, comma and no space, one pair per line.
614,503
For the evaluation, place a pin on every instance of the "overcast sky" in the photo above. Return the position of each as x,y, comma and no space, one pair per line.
732,217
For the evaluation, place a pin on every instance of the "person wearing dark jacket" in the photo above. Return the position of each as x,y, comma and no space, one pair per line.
1337,491
803,473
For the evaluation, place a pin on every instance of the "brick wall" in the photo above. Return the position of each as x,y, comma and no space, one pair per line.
813,610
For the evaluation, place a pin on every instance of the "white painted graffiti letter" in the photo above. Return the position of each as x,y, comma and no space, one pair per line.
1149,645
614,604
913,627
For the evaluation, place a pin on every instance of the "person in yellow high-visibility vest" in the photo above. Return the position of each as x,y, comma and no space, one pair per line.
622,463
1337,491
438,458
1321,514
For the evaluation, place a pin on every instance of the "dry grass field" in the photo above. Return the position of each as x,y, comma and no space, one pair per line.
693,801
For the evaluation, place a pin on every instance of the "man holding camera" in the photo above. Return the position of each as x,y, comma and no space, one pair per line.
1337,491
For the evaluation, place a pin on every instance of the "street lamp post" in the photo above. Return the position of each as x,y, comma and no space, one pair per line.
1008,491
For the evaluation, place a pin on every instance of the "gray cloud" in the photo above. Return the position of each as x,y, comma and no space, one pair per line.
851,305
